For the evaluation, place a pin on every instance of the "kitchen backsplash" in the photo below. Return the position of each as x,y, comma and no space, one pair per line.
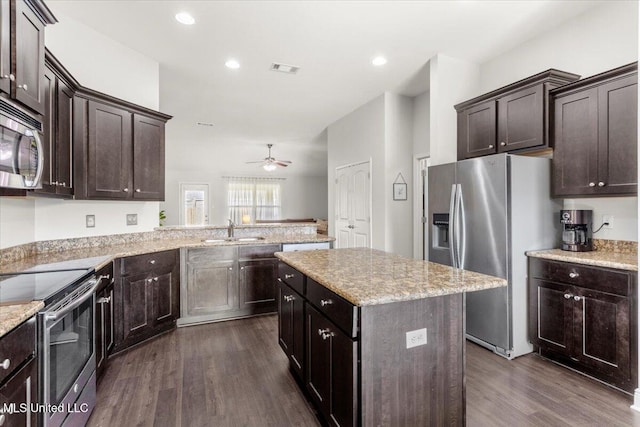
618,246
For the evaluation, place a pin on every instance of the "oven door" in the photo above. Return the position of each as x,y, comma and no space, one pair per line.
21,155
68,361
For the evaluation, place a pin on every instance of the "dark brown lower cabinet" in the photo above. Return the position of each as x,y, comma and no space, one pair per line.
331,370
585,317
20,390
258,285
104,339
291,327
146,297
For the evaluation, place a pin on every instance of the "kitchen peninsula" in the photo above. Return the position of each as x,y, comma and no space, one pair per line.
375,338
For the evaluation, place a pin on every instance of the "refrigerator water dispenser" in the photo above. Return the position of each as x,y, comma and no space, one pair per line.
441,230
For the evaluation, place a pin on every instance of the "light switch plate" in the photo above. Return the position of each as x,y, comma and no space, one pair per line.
132,219
417,338
90,221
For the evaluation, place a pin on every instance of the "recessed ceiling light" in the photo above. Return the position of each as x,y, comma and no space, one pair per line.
233,64
185,18
379,61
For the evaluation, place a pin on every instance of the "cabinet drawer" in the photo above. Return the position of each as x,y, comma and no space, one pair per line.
146,262
254,252
600,279
291,277
222,253
341,312
17,346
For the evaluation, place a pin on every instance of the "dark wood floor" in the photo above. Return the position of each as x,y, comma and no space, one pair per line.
234,374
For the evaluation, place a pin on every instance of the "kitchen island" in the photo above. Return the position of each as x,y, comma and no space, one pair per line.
375,338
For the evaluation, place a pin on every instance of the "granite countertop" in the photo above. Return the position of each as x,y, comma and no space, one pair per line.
112,252
622,261
15,313
368,276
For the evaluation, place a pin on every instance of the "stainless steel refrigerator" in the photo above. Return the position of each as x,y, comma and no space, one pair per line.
484,214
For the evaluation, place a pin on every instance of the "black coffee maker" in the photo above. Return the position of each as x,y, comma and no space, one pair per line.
577,232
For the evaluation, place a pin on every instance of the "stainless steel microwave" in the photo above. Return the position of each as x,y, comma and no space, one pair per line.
21,154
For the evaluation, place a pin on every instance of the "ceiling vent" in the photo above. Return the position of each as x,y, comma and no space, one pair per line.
284,68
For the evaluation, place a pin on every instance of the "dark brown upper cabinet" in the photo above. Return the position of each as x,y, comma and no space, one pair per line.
513,118
57,123
595,135
118,149
22,51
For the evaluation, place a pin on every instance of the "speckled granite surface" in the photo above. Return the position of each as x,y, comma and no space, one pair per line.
368,277
600,258
617,246
142,247
12,315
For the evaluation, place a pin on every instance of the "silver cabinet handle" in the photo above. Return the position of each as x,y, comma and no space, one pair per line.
289,276
502,144
126,190
155,279
54,183
324,302
323,331
5,364
23,87
241,268
491,146
601,184
592,184
149,280
289,298
153,261
64,184
577,298
567,296
76,387
573,275
230,268
2,418
104,300
279,280
137,190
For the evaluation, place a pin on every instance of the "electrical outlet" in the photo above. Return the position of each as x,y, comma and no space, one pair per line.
417,338
90,221
132,219
609,219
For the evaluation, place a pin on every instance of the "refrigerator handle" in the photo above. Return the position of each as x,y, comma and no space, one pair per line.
461,232
452,225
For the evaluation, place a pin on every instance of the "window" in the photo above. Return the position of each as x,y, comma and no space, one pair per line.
250,199
194,202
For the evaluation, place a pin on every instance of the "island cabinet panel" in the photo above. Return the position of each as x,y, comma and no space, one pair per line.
584,317
595,134
291,327
146,297
424,384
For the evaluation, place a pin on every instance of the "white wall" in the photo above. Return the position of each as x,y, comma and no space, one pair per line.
421,124
598,40
451,81
106,66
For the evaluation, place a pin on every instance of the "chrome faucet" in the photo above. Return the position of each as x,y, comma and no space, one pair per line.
230,228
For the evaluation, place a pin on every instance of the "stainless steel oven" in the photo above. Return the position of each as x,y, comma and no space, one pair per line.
67,357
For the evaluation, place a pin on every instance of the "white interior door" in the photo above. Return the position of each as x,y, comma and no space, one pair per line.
194,204
353,206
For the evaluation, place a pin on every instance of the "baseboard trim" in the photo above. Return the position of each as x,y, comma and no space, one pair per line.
636,400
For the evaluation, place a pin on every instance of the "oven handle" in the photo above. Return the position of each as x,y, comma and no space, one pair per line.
55,315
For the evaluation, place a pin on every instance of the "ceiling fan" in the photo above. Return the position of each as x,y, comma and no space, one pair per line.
270,164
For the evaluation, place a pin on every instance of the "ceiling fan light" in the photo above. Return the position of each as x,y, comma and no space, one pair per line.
270,167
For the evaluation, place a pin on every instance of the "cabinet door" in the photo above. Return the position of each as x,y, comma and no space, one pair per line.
477,130
137,312
211,288
602,331
101,327
318,366
521,119
109,338
618,136
63,143
5,47
49,134
291,327
551,306
109,152
29,45
164,294
258,285
575,135
20,390
148,158
343,401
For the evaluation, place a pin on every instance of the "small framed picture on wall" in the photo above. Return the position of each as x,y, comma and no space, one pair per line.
399,191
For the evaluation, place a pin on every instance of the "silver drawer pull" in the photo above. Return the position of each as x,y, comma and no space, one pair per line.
577,298
491,146
326,334
502,144
592,184
279,280
323,331
2,419
601,184
153,261
5,364
324,302
289,276
104,300
567,296
155,279
289,298
76,387
573,275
